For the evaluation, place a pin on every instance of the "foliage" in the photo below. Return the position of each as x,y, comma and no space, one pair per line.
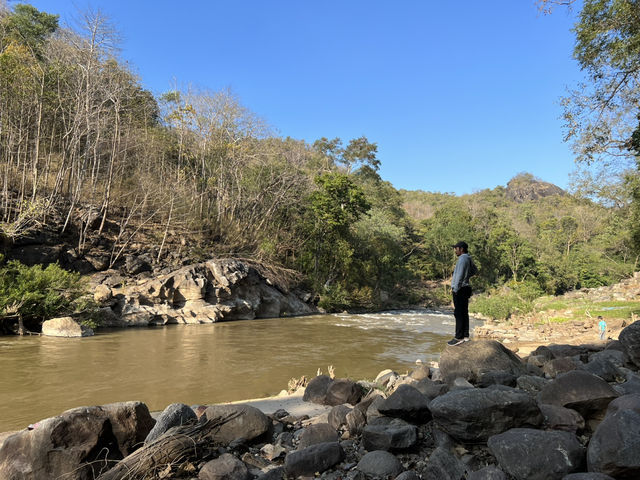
514,297
36,292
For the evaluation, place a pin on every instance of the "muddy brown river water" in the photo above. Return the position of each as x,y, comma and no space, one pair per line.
203,364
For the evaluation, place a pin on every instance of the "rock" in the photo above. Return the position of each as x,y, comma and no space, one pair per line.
630,339
65,327
338,416
560,418
557,366
472,359
407,403
342,391
632,384
488,473
316,458
380,463
135,264
497,377
131,422
614,446
316,390
389,434
444,465
563,350
529,454
531,384
463,413
408,475
174,415
421,372
245,422
225,467
385,377
102,294
431,389
603,368
356,420
276,473
587,394
617,357
317,433
460,384
587,476
75,445
544,353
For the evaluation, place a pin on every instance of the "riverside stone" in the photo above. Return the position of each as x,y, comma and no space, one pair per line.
588,394
380,463
560,418
244,422
172,416
431,389
488,473
587,476
472,359
65,327
338,416
558,366
316,458
356,420
316,390
463,413
529,454
531,383
343,390
603,368
614,448
389,434
496,377
407,403
317,433
630,339
444,465
225,467
131,422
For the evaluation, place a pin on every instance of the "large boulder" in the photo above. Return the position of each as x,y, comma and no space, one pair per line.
389,434
342,391
316,458
588,394
172,416
316,390
529,454
65,327
444,465
630,339
242,422
225,467
407,403
380,463
75,445
317,433
471,360
614,448
560,418
463,413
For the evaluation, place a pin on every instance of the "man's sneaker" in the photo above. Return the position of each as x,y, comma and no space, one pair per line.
466,339
455,341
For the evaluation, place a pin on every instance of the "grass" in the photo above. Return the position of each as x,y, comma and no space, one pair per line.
580,308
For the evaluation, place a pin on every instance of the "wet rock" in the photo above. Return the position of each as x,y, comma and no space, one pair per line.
245,422
630,339
389,434
407,403
316,390
65,327
75,445
529,454
444,465
560,418
172,416
338,416
380,463
316,458
225,467
317,433
473,359
613,449
342,391
587,394
488,473
463,413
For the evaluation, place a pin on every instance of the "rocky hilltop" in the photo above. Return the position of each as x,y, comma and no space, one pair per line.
565,412
526,187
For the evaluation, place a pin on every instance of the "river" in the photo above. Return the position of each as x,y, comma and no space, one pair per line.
204,364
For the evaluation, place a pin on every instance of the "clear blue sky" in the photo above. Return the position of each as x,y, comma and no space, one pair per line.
459,96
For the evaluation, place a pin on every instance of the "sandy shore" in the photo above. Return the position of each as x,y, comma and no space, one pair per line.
292,403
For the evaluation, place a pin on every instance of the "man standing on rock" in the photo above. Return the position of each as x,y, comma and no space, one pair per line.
465,268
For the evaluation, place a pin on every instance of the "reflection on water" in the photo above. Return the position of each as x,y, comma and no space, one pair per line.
43,376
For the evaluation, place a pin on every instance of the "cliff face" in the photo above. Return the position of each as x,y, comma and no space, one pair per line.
526,187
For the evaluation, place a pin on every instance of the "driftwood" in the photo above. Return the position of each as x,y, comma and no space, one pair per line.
178,446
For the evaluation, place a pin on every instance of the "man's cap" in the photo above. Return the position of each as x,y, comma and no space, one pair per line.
461,244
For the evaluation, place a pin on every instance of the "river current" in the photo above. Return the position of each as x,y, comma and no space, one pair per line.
204,364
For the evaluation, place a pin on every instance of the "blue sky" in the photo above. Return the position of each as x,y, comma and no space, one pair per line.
459,96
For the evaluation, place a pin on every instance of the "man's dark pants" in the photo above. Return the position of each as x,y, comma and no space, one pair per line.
461,311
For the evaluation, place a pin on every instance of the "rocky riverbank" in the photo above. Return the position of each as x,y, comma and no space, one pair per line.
563,412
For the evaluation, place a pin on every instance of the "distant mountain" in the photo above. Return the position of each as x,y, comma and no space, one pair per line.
525,187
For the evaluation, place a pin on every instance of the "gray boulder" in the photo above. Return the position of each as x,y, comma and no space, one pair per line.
497,377
603,368
380,463
131,422
529,454
408,475
587,476
614,448
531,383
632,384
316,458
588,394
431,389
172,416
75,445
356,420
407,403
338,416
225,467
65,327
617,357
630,339
317,433
244,422
558,366
560,418
463,413
473,359
444,465
488,473
316,390
389,434
342,391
